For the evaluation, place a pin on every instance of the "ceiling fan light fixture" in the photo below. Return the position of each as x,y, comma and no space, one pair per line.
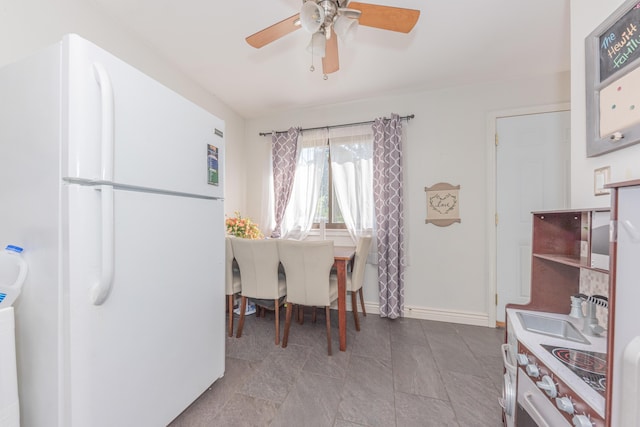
322,18
330,8
317,45
311,16
345,28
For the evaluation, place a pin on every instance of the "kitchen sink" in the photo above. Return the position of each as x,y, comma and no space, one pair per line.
550,326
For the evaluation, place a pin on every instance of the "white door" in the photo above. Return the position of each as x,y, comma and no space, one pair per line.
533,171
157,342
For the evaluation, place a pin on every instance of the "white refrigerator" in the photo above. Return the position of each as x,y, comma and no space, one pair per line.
112,184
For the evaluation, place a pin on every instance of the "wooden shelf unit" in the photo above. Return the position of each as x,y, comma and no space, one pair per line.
560,248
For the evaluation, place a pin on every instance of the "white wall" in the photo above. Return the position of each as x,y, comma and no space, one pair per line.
586,15
29,25
446,142
447,276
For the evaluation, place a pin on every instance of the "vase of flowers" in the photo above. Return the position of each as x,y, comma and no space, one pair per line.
239,226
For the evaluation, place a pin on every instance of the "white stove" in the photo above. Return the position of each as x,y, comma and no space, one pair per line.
556,384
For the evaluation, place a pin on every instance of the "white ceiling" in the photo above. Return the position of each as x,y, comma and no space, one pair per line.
455,42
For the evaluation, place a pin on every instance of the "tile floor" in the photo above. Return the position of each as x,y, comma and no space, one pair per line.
402,373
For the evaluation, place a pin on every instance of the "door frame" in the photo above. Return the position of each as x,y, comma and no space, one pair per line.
491,252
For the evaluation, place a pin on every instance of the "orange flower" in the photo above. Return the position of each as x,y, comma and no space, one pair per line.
242,227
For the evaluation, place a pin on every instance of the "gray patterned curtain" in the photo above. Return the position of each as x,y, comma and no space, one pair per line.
388,200
284,168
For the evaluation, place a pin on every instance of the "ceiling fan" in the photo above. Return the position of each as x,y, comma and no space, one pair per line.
325,19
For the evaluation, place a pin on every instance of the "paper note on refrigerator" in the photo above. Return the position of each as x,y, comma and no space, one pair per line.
212,164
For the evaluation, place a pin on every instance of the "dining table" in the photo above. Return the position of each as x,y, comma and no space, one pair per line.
342,256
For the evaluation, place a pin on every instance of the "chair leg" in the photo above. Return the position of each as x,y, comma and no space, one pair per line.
230,304
287,325
277,310
313,315
328,315
364,312
243,306
300,315
354,309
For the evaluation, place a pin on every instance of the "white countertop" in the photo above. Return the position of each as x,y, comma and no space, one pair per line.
533,341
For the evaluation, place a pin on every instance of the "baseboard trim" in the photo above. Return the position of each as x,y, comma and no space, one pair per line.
451,316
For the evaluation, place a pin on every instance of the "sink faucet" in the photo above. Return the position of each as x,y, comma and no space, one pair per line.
590,326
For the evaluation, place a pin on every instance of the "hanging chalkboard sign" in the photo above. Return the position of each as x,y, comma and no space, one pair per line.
612,81
620,43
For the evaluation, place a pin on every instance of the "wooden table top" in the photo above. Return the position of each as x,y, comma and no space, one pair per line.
344,252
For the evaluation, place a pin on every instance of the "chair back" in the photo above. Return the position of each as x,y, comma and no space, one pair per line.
231,276
258,261
359,262
307,265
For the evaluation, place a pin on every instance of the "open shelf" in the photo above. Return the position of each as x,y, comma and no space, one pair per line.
564,259
560,248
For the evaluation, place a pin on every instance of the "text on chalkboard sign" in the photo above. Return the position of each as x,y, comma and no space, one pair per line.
620,43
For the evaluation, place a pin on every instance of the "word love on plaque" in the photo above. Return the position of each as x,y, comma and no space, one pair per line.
443,204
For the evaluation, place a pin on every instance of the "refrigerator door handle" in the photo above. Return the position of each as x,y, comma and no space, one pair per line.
100,291
107,121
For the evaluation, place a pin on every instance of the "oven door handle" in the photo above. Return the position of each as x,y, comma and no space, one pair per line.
540,419
506,350
502,403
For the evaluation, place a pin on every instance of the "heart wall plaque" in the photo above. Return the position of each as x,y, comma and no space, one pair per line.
443,204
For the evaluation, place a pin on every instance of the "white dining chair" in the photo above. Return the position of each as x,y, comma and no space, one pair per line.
355,277
258,261
232,282
307,266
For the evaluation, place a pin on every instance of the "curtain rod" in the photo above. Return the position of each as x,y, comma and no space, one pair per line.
407,118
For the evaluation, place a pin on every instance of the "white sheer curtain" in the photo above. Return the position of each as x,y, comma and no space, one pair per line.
310,168
351,151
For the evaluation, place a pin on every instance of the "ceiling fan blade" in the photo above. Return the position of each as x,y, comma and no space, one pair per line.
274,32
349,13
330,62
386,17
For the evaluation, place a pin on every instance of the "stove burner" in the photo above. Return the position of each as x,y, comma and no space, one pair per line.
594,381
590,366
583,360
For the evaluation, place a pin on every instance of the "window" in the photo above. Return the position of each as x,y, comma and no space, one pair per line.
351,151
328,208
333,182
